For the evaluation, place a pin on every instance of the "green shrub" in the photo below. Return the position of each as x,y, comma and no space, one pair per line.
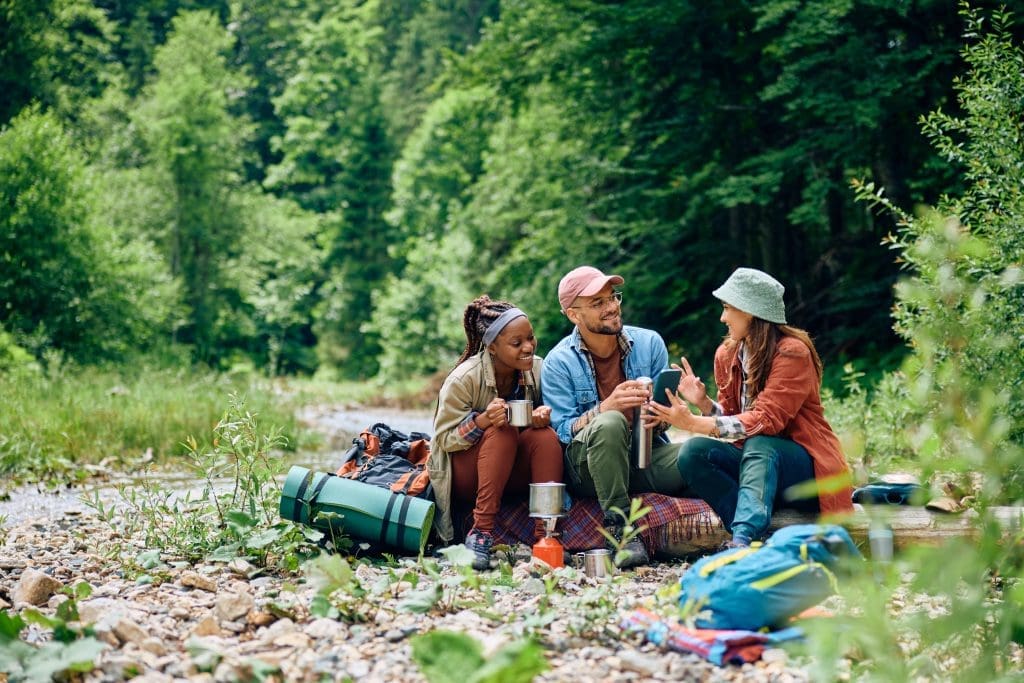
234,511
13,358
961,310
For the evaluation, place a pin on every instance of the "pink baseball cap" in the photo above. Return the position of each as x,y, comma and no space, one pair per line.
583,281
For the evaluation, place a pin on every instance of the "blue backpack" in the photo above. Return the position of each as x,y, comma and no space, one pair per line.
766,584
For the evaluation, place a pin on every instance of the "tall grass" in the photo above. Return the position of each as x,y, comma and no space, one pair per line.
55,425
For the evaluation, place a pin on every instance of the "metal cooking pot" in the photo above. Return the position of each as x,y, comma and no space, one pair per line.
546,499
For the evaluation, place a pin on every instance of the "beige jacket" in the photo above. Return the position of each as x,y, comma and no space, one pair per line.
469,387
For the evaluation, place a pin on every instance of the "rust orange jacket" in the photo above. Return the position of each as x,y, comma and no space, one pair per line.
789,406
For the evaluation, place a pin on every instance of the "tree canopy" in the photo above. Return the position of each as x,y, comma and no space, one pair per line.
308,186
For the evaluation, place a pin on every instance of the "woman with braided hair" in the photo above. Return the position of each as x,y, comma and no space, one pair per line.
476,456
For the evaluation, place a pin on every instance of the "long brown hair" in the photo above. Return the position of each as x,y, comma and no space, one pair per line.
762,343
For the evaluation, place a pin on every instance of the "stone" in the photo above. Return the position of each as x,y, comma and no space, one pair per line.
34,588
93,610
56,601
294,639
127,631
643,664
324,628
241,567
276,630
154,646
207,626
260,618
233,606
197,580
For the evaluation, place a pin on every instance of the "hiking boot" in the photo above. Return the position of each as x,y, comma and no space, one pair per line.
480,543
732,544
632,554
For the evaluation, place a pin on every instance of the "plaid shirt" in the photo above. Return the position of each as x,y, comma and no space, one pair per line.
730,428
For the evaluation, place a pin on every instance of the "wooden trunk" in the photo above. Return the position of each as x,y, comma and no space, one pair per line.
911,525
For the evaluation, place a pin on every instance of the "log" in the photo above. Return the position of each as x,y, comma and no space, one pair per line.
911,526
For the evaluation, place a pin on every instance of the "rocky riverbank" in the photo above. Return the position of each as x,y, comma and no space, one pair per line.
231,622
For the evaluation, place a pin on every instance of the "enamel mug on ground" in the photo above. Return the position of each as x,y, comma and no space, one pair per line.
595,563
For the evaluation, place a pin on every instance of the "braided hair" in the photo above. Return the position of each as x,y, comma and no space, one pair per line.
480,313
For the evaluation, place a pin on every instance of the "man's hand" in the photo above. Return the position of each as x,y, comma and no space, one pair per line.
629,394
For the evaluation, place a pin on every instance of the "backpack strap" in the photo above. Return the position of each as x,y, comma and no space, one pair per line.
300,502
403,511
724,560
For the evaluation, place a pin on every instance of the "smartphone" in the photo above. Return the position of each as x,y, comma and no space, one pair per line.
667,379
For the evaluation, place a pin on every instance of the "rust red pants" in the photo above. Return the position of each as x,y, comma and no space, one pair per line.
505,460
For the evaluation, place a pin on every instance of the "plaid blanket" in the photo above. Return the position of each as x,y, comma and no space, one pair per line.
717,646
670,520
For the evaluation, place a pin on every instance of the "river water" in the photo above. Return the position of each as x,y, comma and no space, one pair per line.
338,425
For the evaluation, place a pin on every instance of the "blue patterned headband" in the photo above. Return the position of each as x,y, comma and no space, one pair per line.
499,324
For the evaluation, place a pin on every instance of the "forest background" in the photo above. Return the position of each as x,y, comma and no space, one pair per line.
319,188
205,198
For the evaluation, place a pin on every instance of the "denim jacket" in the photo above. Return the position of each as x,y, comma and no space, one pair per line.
569,384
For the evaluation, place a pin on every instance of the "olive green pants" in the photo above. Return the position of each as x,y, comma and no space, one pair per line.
597,464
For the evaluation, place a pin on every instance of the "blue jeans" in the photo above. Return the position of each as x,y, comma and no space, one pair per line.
743,485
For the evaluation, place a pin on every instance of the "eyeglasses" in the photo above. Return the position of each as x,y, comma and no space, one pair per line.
597,304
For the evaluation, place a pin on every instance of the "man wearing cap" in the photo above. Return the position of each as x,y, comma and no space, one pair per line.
589,380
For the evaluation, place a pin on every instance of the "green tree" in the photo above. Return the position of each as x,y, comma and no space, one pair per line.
419,306
960,307
68,279
275,275
336,161
420,39
530,214
56,52
196,146
22,45
270,34
704,150
420,311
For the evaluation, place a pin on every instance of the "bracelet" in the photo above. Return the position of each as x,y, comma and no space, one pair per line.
714,430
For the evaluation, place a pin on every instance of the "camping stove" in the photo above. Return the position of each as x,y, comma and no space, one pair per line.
546,504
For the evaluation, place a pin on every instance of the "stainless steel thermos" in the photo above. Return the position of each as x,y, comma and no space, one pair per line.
642,436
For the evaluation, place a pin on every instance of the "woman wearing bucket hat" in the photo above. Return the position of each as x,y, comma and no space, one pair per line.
769,422
476,455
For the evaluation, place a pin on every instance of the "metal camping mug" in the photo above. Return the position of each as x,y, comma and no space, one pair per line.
643,437
519,413
546,499
880,539
595,563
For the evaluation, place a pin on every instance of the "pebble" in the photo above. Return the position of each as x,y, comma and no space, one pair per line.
211,622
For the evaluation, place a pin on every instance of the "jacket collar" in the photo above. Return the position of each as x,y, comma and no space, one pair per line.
625,341
488,366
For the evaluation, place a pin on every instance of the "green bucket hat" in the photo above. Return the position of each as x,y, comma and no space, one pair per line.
754,292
